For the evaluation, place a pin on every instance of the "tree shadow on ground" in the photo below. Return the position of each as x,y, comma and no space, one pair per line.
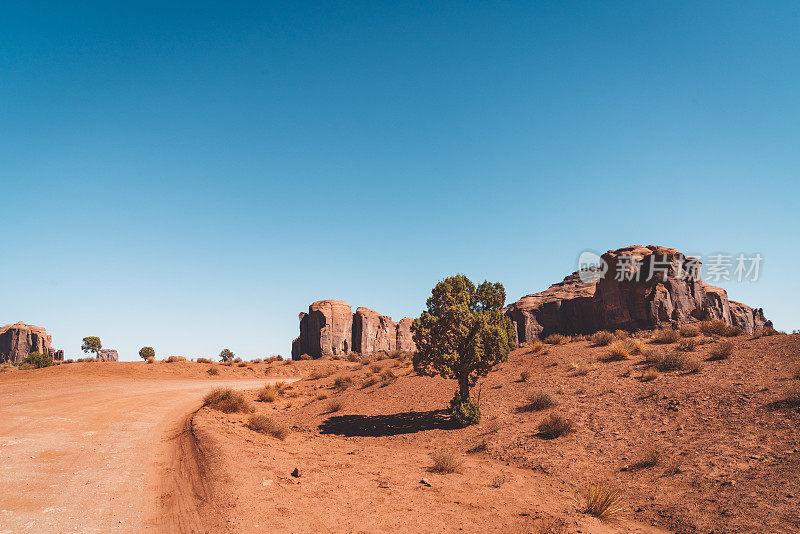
387,425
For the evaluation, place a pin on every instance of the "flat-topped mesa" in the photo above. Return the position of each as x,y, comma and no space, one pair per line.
330,328
18,340
642,288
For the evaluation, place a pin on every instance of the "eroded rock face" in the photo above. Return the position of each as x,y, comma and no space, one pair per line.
373,332
405,340
644,287
330,329
18,340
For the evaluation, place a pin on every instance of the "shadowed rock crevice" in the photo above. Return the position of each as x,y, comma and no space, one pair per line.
387,425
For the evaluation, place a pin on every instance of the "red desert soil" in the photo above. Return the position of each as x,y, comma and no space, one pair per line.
105,447
723,447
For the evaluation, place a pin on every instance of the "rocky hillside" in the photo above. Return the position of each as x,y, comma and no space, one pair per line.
20,339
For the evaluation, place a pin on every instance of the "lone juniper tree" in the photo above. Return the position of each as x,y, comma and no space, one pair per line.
92,344
462,335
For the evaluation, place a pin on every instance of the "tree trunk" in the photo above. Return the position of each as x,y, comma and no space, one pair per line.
463,388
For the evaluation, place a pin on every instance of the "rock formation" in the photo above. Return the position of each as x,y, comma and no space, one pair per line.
108,355
643,287
18,340
330,328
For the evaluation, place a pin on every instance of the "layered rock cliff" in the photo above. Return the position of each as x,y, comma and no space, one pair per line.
642,288
18,340
330,328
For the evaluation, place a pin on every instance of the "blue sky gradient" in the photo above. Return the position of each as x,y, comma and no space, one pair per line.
192,175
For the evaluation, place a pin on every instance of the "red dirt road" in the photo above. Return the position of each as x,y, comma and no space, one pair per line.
90,454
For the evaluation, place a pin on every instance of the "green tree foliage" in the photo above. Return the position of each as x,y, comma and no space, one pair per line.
146,353
92,344
226,355
38,360
463,335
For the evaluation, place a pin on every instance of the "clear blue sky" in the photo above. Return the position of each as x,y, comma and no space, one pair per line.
192,175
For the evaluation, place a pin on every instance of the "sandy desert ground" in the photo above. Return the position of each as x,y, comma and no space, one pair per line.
117,447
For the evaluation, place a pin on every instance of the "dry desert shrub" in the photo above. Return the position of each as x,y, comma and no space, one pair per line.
536,401
620,349
369,381
686,345
621,334
551,526
650,457
555,339
689,330
672,361
535,346
204,360
498,480
175,359
554,426
316,374
665,336
256,360
638,347
444,462
375,368
524,375
718,327
721,350
213,371
306,357
603,501
228,401
388,376
353,357
335,405
266,425
237,360
602,338
342,382
268,394
242,364
650,374
580,368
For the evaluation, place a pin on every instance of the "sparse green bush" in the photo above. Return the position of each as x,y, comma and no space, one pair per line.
37,360
464,413
266,425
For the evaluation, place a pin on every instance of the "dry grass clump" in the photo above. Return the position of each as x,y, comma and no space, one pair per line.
268,394
535,346
498,480
537,400
551,526
602,338
672,361
689,330
721,350
342,382
665,335
620,349
622,334
603,501
388,376
650,457
554,426
580,368
686,345
375,368
228,401
718,327
242,364
266,425
524,375
444,462
213,371
204,360
556,339
316,374
353,357
335,405
175,359
650,374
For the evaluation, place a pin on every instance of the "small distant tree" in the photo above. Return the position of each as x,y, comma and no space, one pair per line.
462,335
146,353
38,360
92,344
226,355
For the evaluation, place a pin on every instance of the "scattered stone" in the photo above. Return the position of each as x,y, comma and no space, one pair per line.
296,473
